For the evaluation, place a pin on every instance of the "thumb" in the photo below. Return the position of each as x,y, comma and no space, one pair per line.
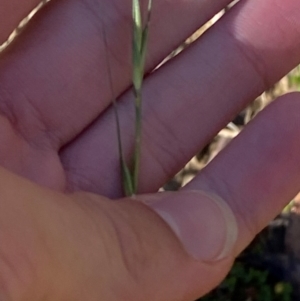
179,245
203,222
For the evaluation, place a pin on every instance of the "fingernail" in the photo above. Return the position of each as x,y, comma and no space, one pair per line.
203,222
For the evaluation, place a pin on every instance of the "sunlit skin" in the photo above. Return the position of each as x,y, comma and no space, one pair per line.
62,238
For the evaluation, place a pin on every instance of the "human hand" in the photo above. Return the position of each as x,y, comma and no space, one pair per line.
58,131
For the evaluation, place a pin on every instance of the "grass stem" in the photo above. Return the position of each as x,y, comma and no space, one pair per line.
126,176
139,50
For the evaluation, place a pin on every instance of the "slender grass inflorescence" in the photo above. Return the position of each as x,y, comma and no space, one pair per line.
130,173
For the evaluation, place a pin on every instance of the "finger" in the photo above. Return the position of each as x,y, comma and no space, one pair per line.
154,254
259,172
63,79
237,194
11,14
190,99
256,176
84,247
51,91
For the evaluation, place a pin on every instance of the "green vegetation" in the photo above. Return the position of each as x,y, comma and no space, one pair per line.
245,283
130,172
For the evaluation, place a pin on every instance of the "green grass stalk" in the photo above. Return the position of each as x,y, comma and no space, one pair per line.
126,175
139,51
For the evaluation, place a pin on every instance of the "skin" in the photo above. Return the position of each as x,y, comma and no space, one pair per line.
57,140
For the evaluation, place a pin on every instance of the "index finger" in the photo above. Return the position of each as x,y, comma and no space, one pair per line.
11,14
